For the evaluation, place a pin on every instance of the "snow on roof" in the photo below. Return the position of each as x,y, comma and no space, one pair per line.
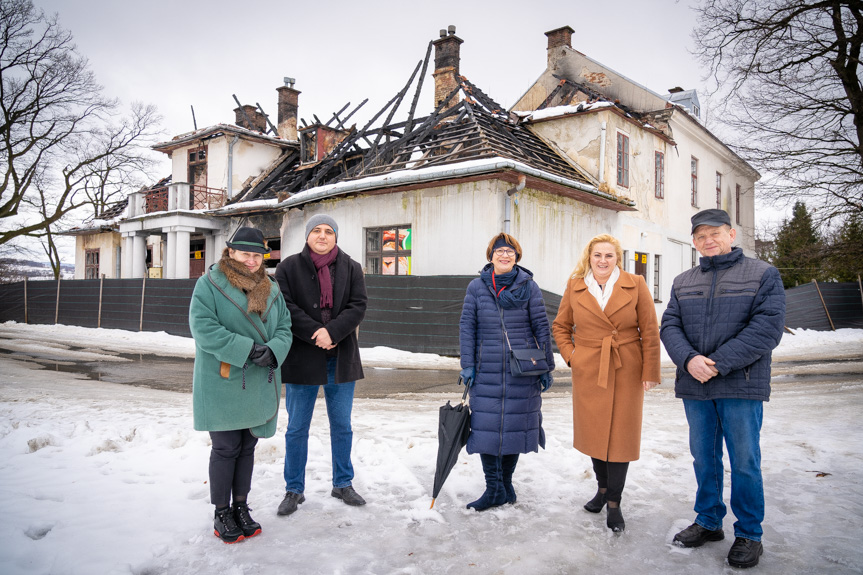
181,139
558,111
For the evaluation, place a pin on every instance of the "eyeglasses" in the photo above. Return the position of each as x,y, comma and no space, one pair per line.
504,252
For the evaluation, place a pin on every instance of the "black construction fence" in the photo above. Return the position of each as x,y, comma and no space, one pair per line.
824,306
413,313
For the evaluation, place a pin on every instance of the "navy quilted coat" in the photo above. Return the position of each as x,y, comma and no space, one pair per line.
505,410
730,309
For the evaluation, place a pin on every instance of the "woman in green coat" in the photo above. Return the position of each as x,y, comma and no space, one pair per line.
242,332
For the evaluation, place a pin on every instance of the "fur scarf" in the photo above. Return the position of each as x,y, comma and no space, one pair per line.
256,285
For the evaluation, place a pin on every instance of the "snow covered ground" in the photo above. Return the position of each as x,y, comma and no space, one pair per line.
106,478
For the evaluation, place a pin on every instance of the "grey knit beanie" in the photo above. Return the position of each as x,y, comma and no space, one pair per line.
319,219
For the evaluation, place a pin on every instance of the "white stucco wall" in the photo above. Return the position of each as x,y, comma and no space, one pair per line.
107,244
250,159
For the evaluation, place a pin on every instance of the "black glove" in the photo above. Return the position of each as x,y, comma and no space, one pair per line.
262,355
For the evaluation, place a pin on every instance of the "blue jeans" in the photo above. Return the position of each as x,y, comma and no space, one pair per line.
738,422
300,404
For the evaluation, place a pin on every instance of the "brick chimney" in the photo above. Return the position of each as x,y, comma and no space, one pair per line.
256,120
288,102
557,39
446,62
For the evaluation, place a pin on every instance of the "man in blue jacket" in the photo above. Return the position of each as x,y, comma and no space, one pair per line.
723,319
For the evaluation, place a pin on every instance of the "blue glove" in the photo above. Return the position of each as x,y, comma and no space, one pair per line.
545,380
467,375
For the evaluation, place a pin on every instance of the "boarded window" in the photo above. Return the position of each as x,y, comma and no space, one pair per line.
659,175
623,160
91,264
388,250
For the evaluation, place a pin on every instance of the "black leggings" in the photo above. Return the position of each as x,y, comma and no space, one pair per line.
611,476
232,459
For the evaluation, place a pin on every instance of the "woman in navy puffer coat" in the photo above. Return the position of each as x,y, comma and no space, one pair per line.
505,410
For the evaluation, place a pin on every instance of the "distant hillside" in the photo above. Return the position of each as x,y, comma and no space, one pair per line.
12,270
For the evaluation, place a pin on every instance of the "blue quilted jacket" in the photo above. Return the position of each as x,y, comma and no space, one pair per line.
730,309
505,410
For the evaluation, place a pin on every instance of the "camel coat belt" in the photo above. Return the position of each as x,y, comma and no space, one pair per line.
610,347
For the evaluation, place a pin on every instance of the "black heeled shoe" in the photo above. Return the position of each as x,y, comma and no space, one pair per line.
596,504
614,520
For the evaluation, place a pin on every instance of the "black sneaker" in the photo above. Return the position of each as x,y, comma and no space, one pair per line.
695,536
348,495
225,526
290,502
249,526
745,553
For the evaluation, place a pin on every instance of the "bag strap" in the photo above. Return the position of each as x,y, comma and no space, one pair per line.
503,326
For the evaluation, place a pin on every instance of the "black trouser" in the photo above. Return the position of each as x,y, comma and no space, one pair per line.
611,476
232,460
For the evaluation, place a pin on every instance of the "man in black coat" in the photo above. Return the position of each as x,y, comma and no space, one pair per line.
325,293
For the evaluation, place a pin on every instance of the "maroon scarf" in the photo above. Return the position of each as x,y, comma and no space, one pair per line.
322,264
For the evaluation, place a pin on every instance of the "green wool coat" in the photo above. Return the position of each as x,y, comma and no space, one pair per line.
224,333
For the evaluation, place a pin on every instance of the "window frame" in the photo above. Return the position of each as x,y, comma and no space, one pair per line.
693,181
378,255
91,269
657,292
659,175
718,191
737,203
622,160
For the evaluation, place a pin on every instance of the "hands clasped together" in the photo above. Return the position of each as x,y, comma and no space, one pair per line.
702,368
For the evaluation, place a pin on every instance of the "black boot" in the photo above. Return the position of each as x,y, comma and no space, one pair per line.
225,526
596,504
508,463
615,519
495,494
245,522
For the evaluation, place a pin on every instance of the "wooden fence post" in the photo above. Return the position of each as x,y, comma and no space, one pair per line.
143,290
824,304
99,316
57,303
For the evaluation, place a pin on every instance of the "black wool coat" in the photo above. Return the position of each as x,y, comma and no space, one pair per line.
298,279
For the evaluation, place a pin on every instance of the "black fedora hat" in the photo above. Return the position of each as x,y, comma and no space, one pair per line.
248,240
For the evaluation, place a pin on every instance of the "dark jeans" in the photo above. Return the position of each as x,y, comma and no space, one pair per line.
611,476
232,459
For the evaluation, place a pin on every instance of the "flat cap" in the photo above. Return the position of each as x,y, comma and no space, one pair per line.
711,217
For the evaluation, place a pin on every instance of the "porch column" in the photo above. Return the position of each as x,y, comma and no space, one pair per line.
210,256
181,254
139,256
170,259
126,257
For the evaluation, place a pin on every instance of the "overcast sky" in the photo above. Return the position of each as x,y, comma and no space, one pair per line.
177,54
181,54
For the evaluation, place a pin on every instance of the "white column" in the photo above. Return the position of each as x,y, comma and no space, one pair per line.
181,255
210,256
139,256
170,259
126,258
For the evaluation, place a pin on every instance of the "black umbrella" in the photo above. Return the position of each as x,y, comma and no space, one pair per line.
452,431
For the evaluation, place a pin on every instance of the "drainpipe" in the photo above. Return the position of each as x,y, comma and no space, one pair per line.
602,155
231,167
509,200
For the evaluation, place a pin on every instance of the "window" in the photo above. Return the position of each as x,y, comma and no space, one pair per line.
626,260
388,250
656,292
622,160
694,182
641,264
91,264
737,203
197,167
718,191
694,257
659,175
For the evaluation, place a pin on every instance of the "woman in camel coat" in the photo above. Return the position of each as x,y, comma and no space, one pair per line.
606,330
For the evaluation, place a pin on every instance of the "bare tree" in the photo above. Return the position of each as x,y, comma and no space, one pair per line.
63,145
787,80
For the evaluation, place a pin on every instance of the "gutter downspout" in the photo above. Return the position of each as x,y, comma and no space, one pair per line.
522,180
231,167
602,155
